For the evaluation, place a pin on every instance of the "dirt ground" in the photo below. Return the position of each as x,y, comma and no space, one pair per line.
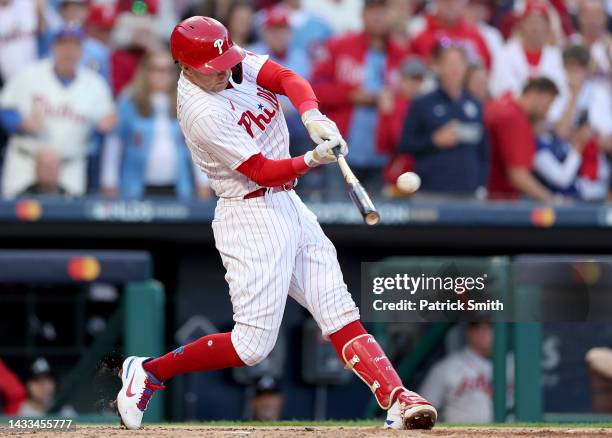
314,432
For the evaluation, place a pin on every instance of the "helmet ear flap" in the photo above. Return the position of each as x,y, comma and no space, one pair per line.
237,73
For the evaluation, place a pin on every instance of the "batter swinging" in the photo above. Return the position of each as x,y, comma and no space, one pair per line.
271,245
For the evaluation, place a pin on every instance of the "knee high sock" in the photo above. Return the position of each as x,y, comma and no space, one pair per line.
345,334
212,352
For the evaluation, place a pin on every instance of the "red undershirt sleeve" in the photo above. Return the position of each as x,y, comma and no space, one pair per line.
272,173
281,80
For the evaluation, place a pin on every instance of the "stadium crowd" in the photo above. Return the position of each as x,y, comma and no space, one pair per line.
482,98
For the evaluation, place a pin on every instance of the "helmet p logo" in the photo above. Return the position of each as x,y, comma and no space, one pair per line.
219,45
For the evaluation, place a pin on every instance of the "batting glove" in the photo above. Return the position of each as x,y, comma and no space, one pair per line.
322,154
321,128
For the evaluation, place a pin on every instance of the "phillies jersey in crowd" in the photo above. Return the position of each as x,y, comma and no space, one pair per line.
70,112
18,32
514,67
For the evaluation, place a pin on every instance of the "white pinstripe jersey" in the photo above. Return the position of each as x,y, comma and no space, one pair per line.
224,129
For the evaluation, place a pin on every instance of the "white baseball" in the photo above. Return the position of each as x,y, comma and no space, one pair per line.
409,182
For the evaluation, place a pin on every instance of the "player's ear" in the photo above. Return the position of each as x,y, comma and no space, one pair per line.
237,73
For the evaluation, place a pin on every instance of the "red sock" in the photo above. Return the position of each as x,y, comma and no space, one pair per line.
212,352
345,334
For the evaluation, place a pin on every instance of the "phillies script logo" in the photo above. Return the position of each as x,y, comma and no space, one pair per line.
263,119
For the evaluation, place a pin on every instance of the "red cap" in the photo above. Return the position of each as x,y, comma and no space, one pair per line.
101,15
535,8
276,17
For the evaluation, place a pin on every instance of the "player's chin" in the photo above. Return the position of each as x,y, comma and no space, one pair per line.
220,86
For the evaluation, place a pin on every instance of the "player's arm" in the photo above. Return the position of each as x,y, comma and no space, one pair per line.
233,147
271,173
281,80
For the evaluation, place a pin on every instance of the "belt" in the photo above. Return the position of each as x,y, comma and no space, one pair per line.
263,190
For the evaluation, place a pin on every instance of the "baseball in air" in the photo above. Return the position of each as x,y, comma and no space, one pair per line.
409,182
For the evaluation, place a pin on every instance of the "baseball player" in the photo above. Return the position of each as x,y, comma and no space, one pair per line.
270,243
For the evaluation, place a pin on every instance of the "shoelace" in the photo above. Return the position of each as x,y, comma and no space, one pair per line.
147,393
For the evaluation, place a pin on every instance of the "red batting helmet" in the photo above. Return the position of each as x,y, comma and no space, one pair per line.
204,44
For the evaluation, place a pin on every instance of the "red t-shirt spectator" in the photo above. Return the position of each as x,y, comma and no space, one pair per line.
459,33
512,143
12,391
387,137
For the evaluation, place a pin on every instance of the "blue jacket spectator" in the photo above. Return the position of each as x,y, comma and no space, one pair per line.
147,154
444,131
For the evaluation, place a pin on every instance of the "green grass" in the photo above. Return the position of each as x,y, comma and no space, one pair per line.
377,423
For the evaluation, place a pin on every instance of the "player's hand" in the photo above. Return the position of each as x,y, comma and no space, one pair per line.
320,127
323,153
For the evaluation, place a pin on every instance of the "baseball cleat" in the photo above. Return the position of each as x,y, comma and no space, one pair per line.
410,411
137,389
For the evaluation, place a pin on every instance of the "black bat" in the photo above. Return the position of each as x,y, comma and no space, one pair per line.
357,193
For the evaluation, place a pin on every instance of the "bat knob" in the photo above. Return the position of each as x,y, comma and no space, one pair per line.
372,218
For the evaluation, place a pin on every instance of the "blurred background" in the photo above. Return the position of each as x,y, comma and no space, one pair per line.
504,109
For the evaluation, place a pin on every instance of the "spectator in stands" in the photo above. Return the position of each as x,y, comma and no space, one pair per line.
51,110
71,12
401,20
342,15
96,47
572,169
240,22
267,404
20,24
147,154
529,55
393,107
478,14
133,36
594,35
276,39
446,22
581,170
509,122
12,391
308,30
348,77
444,130
560,23
40,385
460,385
477,82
